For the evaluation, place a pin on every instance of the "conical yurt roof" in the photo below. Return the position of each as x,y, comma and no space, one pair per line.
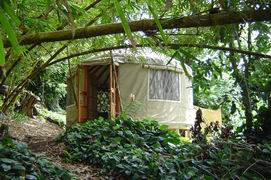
144,56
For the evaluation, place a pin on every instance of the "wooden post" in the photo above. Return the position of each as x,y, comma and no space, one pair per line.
83,93
115,70
118,102
112,86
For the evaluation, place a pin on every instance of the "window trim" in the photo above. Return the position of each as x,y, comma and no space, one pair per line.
162,100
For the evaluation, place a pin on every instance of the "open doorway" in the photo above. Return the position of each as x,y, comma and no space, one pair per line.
98,93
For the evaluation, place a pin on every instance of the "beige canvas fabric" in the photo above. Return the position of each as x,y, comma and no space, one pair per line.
133,84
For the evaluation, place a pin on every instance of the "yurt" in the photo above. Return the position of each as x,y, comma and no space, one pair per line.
142,84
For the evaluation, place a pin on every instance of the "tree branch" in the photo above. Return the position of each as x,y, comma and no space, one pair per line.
92,5
171,46
229,17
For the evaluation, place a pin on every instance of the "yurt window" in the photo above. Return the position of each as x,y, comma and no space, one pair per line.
164,85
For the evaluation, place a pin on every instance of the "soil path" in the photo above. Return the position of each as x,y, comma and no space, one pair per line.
41,135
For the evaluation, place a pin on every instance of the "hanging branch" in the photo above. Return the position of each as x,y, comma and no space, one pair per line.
171,46
92,5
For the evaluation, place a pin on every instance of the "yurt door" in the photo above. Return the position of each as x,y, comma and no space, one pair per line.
114,99
83,93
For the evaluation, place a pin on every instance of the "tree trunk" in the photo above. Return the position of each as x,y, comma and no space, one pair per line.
27,103
243,79
244,92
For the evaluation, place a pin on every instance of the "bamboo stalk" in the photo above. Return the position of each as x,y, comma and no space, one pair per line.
229,17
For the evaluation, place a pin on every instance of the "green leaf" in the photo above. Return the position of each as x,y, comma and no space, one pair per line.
19,168
10,32
189,55
157,21
11,13
2,51
185,70
124,22
7,161
5,167
164,127
178,55
182,51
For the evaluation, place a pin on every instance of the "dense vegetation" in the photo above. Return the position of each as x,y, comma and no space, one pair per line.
145,150
17,162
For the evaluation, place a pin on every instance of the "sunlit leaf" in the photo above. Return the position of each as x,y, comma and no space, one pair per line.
9,31
2,52
186,53
124,22
70,16
178,55
11,13
157,21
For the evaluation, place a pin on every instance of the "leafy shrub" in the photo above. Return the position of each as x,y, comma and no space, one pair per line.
133,148
17,162
145,150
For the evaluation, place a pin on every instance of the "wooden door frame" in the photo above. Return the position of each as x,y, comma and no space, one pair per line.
83,93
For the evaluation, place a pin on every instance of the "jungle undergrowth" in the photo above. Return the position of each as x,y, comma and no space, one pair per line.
144,149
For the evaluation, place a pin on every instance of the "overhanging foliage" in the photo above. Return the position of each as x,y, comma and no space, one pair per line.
229,17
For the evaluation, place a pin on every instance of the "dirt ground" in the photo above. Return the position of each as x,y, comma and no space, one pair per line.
40,135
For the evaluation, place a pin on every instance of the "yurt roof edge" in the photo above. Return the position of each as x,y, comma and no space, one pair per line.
145,57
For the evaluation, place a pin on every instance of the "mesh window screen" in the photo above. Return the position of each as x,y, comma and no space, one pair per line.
164,85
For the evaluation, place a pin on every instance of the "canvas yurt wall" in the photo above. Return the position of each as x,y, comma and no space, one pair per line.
139,101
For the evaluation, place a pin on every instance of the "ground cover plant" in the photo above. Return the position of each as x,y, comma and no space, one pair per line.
145,150
17,162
